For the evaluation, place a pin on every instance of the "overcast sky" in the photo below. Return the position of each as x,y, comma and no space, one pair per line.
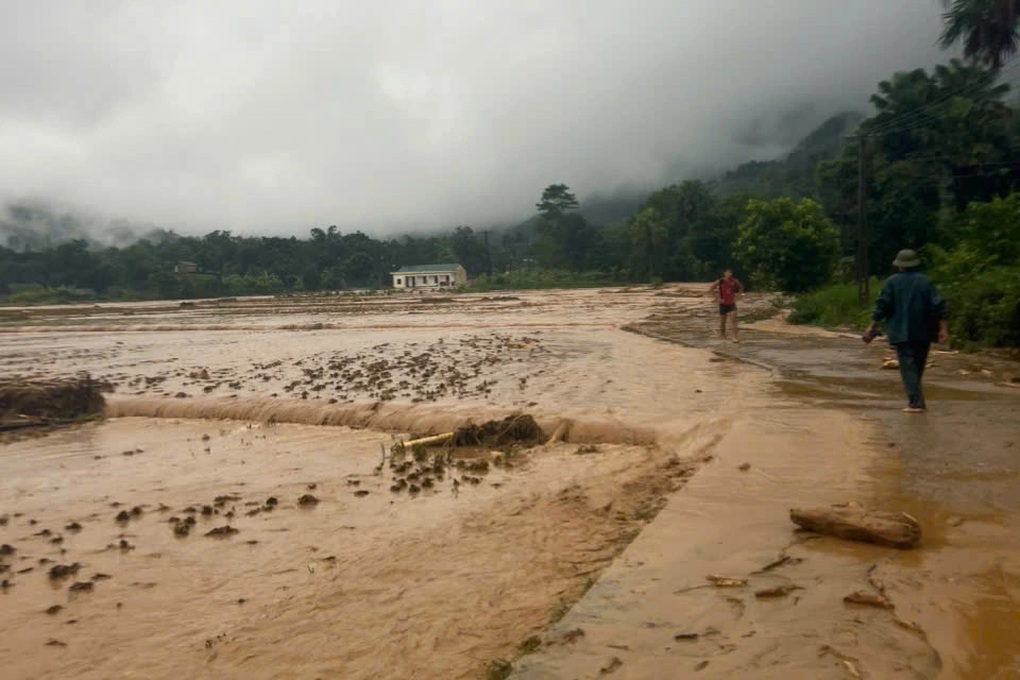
265,116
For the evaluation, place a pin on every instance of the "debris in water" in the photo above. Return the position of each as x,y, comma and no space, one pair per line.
745,467
519,429
54,609
308,500
727,582
222,532
572,636
61,571
611,667
27,402
778,591
868,599
854,522
82,587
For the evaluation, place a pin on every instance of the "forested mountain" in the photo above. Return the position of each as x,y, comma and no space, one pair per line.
939,155
793,175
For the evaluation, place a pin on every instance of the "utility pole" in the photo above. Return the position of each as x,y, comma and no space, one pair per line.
488,254
863,284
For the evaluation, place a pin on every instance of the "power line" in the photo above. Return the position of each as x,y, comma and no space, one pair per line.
926,110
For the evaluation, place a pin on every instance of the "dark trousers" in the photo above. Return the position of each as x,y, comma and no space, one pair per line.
913,356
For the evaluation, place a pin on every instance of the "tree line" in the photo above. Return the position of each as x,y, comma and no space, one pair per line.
933,167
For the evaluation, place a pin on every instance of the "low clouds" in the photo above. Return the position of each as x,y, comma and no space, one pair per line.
261,116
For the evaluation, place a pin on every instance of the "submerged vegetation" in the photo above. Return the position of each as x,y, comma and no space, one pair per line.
31,402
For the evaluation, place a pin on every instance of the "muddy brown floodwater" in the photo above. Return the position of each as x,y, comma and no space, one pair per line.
240,513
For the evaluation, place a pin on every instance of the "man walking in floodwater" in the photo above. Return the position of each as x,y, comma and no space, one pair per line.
915,316
728,287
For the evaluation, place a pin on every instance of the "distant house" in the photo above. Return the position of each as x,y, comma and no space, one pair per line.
426,276
183,267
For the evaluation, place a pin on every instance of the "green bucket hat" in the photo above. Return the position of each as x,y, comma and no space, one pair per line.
907,259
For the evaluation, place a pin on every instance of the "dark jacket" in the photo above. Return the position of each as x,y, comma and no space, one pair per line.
911,308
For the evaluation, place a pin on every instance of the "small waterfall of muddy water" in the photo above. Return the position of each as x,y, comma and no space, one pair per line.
275,418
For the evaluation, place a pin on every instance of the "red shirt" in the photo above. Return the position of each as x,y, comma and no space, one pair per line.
728,289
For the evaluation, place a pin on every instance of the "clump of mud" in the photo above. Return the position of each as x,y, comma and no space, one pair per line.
27,402
222,532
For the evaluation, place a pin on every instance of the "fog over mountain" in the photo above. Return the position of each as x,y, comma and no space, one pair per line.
266,117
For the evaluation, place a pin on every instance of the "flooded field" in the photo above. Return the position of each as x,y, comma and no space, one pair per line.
241,514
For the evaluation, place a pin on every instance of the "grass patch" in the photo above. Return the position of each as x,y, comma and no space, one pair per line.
834,307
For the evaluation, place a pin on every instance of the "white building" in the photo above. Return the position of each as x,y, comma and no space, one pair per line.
428,276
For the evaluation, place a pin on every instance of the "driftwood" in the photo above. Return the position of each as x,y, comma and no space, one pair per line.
854,522
435,440
868,600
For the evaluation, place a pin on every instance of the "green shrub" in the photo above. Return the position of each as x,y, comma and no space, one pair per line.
985,309
834,306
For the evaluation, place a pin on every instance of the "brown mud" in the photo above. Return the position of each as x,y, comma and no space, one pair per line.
947,609
216,426
355,580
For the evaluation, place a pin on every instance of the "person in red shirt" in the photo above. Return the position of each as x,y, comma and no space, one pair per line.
728,287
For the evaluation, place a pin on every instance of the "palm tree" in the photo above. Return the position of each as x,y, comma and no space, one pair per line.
987,28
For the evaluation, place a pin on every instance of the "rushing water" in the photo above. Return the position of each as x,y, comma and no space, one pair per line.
251,399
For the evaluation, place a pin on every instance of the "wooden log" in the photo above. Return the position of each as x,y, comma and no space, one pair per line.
868,600
854,522
435,440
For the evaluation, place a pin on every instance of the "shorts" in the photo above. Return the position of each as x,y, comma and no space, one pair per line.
726,309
